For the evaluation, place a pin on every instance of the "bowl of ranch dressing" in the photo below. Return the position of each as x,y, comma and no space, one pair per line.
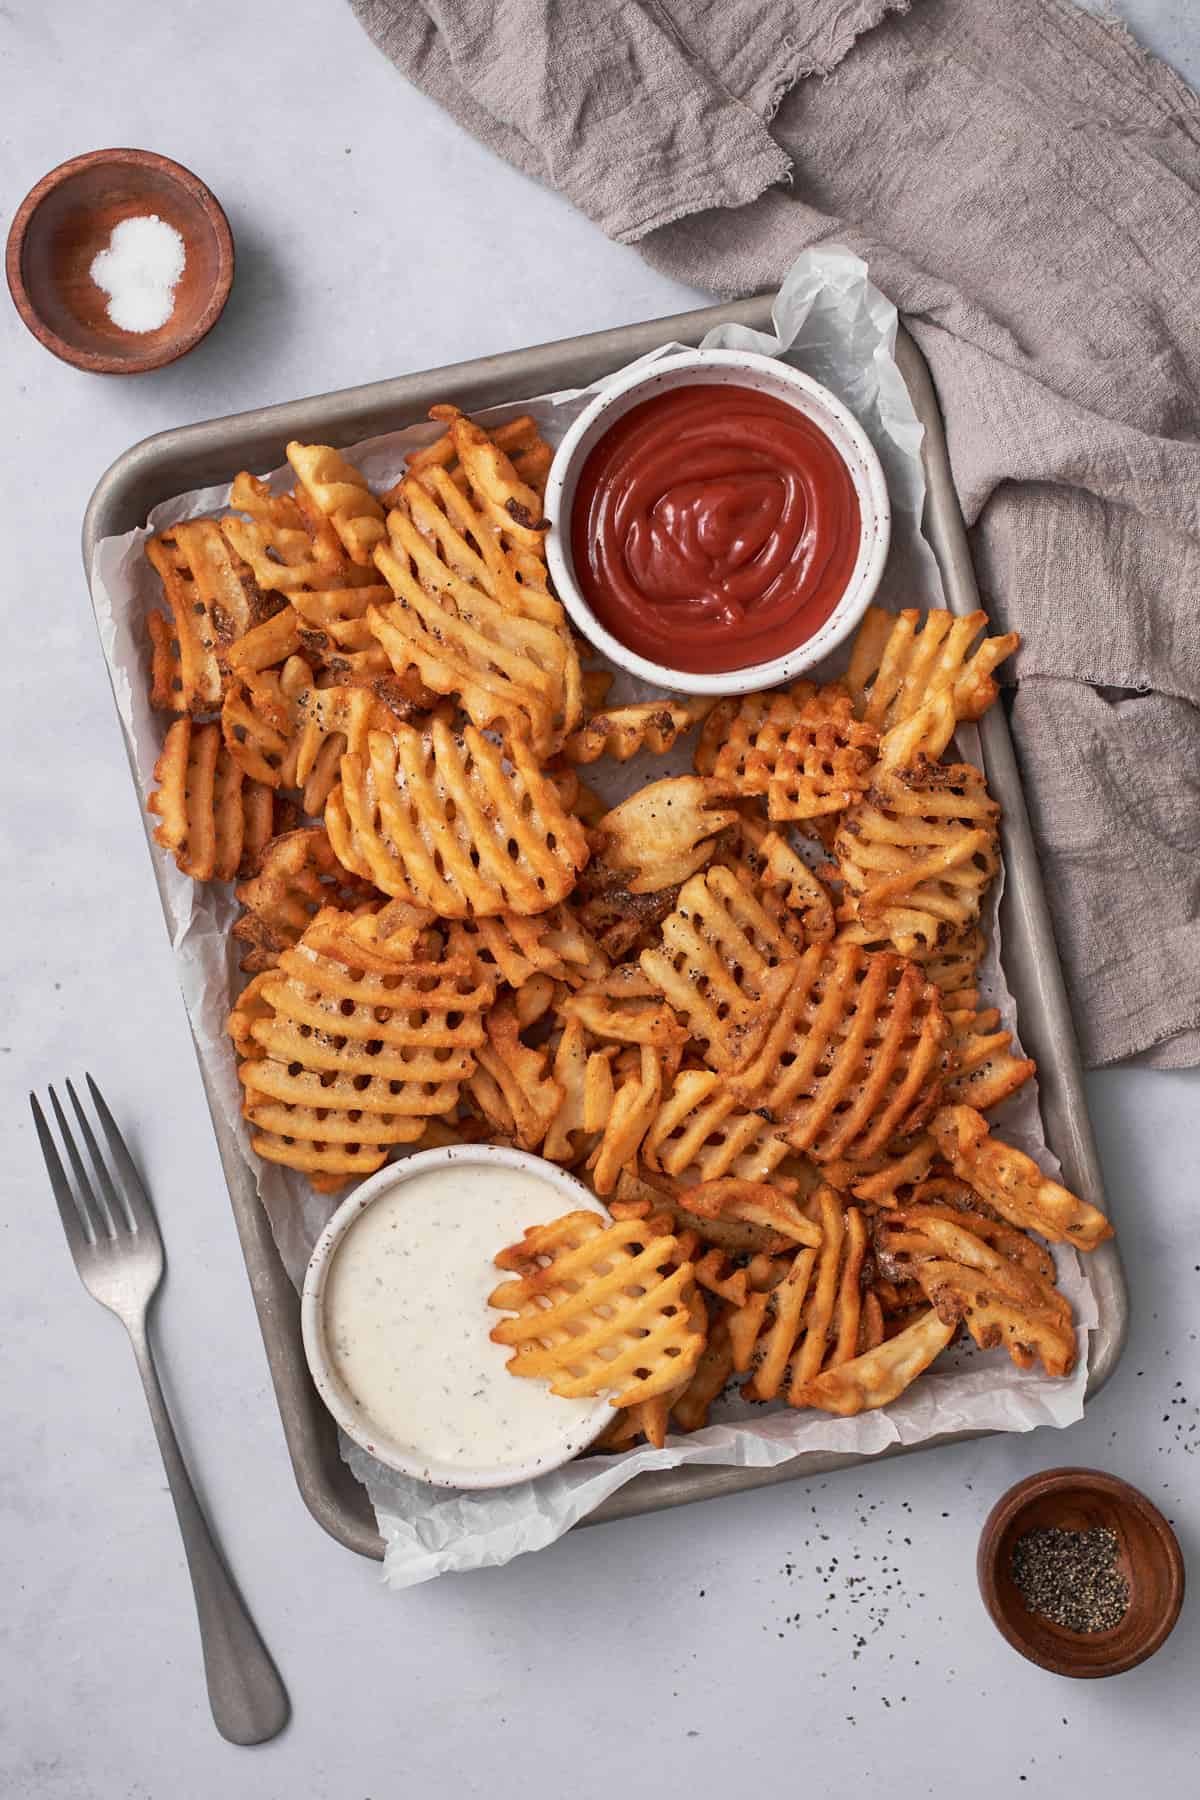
396,1321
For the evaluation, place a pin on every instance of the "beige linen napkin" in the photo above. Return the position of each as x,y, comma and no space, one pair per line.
1025,184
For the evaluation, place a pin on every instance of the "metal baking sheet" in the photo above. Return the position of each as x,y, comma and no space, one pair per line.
196,455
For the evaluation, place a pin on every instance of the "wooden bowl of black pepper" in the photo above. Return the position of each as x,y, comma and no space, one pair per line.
1080,1572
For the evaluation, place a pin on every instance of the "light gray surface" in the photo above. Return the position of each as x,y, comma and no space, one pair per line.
586,1669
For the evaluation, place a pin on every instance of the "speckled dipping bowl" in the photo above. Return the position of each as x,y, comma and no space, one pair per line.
372,1437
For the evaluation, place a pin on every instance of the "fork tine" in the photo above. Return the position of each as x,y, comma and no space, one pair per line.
137,1200
116,1213
85,1197
77,1225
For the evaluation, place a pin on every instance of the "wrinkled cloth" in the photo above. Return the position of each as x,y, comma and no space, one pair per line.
1024,182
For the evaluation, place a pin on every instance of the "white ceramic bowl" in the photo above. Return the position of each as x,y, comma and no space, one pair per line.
370,1435
741,368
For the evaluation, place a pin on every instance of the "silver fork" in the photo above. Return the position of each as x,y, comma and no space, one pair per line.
114,1238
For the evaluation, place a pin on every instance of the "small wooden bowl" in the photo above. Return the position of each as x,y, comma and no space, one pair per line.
69,216
1149,1558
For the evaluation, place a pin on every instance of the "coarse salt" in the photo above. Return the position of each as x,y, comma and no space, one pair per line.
139,272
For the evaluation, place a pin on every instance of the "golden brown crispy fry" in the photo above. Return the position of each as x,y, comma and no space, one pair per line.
297,875
879,1178
519,438
780,1326
721,964
852,1056
701,1134
880,1375
1012,1182
449,821
897,662
361,1047
918,853
213,598
472,610
625,1008
690,1411
984,1069
623,731
785,887
756,1203
341,495
214,822
627,1119
290,546
801,747
598,1309
551,943
509,1084
1000,1299
664,832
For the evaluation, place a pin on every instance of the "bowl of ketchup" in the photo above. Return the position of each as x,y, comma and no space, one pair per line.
718,521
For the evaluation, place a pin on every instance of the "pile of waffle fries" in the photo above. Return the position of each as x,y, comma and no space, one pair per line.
774,1074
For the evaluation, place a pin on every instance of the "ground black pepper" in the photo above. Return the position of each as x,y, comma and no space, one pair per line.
1071,1577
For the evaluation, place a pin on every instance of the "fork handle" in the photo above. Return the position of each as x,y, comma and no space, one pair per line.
249,1702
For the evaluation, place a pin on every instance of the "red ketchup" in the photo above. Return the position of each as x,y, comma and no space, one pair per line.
714,527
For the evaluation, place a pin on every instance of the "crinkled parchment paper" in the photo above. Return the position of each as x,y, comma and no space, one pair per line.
831,322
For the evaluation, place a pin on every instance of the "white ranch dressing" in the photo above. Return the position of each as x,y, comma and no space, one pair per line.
407,1321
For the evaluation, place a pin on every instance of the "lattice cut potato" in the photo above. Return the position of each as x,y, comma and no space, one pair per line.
356,1047
801,747
899,660
550,943
623,732
519,439
851,1057
297,876
472,610
1012,1183
720,963
212,819
918,853
340,494
1003,1291
664,832
701,1133
448,820
213,599
598,1309
879,1375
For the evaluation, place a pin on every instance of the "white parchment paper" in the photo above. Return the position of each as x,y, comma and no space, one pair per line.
830,321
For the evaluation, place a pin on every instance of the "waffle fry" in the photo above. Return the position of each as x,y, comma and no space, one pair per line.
701,1134
623,1007
360,1048
628,1117
213,821
341,495
509,1085
918,853
803,748
472,611
783,884
985,1071
1011,1182
551,943
721,964
898,661
520,440
880,1375
297,876
852,1055
1002,1290
449,821
624,731
664,832
598,1310
213,599
759,1203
